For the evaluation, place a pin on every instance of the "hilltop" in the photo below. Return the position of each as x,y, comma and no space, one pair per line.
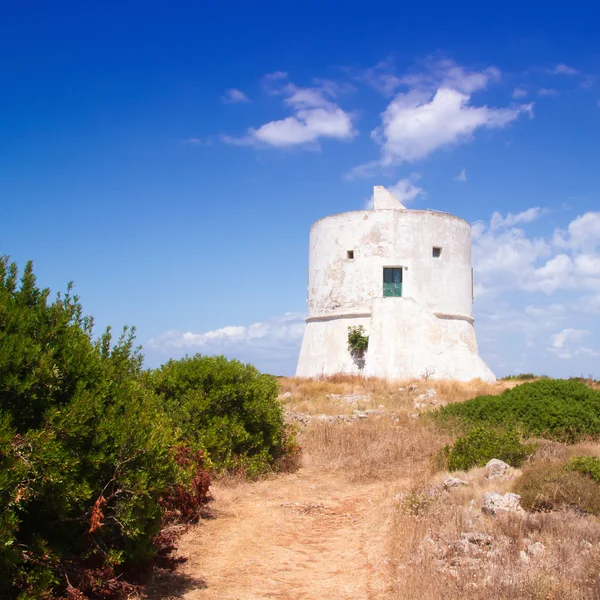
373,511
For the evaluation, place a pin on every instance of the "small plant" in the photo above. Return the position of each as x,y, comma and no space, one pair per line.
417,503
428,373
586,465
358,343
481,445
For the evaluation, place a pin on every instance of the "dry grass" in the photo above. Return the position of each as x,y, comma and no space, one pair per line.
312,396
367,515
425,561
373,449
426,527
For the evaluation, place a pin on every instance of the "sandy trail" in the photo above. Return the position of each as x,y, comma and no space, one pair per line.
302,536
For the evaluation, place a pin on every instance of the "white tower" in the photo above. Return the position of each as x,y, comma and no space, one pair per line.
406,276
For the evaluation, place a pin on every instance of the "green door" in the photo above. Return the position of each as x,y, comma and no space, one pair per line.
392,281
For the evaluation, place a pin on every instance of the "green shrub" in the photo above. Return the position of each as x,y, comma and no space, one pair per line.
552,487
523,377
358,341
480,445
228,408
89,460
586,465
563,410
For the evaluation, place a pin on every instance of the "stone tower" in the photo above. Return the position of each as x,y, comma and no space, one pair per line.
406,277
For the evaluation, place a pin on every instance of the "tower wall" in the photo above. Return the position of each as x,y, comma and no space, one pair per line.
389,238
432,318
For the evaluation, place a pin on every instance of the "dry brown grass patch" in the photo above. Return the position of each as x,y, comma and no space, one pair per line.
431,559
372,449
313,396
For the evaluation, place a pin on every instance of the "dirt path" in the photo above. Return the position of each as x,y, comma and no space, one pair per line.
300,536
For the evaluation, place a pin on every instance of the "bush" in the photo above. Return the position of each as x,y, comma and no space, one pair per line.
480,445
229,409
358,341
586,465
553,408
552,487
89,461
523,377
358,344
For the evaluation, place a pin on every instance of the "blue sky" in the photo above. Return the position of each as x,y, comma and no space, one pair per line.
170,159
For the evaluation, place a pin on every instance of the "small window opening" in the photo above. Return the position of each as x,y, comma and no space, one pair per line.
350,254
437,252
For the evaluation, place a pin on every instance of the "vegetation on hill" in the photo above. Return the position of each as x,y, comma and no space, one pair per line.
552,486
563,410
480,445
586,465
97,456
227,408
523,377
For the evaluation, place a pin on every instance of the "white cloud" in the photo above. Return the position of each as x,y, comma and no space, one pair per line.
497,221
565,343
315,116
462,176
590,304
362,171
514,271
234,96
547,312
434,112
285,329
519,93
271,345
562,69
555,274
568,335
506,258
547,92
583,233
195,141
587,265
405,190
417,123
272,79
435,73
428,74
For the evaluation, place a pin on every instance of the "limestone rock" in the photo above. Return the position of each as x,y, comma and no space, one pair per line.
536,549
453,482
350,398
427,398
496,469
497,504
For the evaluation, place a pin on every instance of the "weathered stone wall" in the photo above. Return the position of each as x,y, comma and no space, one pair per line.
407,338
